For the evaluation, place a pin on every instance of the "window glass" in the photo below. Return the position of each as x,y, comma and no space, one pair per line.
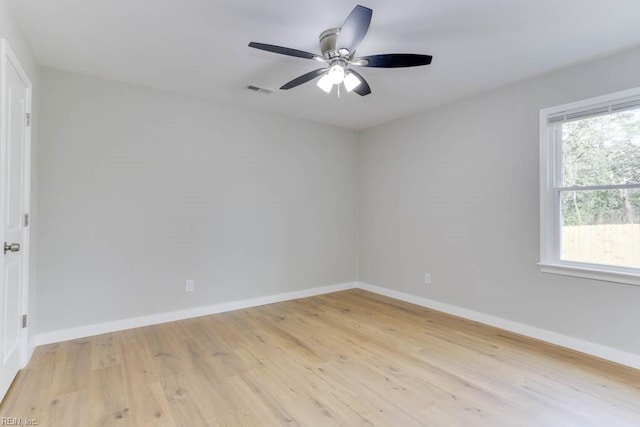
601,227
601,150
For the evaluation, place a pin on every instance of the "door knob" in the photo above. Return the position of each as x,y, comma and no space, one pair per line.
13,247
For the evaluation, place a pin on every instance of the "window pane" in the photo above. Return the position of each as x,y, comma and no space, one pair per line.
602,150
601,227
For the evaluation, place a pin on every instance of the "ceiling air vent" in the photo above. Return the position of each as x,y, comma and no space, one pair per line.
259,89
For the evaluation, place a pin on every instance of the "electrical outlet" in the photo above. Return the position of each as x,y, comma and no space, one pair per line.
427,278
189,286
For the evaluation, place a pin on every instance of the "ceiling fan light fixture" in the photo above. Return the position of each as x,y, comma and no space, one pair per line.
325,83
351,81
336,74
338,47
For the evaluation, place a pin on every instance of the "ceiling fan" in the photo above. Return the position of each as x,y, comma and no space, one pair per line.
338,47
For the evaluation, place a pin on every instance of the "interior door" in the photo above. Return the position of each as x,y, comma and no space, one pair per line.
15,91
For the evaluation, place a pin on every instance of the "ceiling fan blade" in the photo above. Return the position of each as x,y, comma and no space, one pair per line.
304,78
354,29
393,60
363,88
284,50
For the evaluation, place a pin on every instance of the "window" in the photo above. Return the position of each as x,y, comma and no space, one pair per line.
590,188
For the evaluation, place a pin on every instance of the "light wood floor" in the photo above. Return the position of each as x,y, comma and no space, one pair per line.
349,358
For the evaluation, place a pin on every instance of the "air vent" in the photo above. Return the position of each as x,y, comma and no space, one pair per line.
259,89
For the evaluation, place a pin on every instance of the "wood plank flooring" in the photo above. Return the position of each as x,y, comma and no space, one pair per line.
349,358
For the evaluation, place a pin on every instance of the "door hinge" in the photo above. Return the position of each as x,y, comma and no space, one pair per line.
24,320
28,119
26,220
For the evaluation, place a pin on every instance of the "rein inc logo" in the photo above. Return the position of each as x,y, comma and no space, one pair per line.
18,421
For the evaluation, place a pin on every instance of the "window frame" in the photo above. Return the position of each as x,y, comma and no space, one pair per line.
550,190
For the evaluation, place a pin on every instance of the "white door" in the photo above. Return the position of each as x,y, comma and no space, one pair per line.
15,93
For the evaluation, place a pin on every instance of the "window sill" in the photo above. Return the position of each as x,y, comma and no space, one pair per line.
627,278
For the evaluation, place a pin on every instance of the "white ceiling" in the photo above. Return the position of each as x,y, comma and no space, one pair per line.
199,47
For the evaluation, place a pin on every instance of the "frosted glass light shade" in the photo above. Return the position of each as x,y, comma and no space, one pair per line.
351,82
336,74
325,83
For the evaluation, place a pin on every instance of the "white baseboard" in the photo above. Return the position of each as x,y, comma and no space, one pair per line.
597,350
31,347
593,349
154,319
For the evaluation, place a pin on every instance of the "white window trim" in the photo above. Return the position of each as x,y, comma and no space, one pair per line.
550,158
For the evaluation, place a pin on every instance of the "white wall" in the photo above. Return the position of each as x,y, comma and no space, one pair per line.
454,192
9,30
140,190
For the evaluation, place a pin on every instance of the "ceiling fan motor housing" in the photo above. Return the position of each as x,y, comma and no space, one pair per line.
328,44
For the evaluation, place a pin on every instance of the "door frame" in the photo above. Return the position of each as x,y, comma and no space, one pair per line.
7,57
